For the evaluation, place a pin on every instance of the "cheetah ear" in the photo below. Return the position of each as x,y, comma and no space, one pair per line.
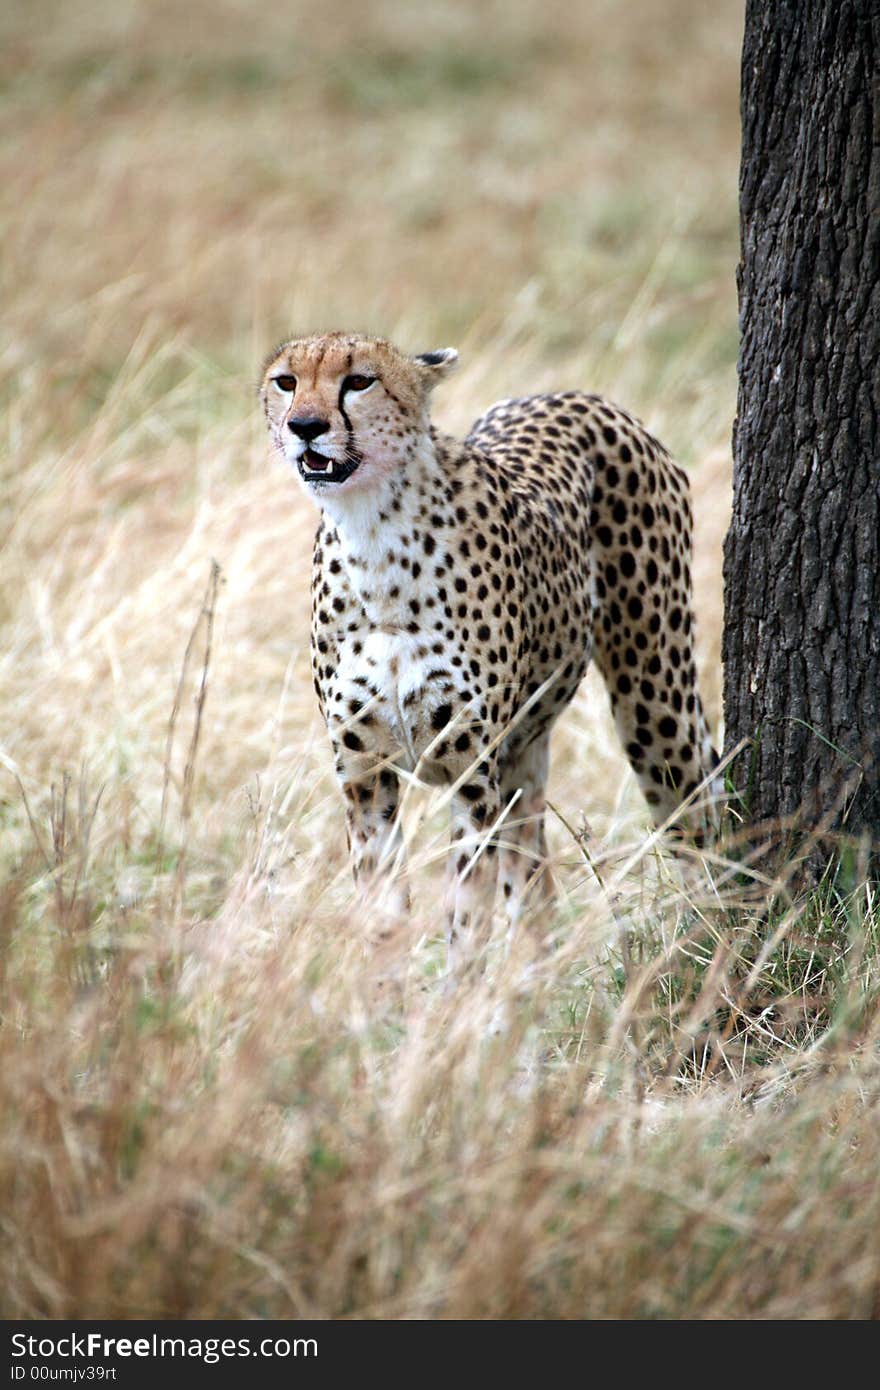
439,363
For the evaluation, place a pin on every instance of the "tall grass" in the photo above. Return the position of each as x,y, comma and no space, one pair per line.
207,1107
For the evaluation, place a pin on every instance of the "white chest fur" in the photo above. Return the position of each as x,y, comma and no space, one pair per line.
401,669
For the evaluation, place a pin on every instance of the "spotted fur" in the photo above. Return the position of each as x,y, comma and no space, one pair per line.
461,589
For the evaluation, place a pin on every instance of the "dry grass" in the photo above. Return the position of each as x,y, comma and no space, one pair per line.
205,1111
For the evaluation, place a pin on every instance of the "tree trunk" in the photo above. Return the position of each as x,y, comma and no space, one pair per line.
802,557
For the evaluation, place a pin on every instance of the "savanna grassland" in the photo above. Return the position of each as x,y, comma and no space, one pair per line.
207,1109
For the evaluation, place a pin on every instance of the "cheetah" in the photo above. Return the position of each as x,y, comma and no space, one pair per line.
459,592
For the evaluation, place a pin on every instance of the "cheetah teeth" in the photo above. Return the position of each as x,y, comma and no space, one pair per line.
327,465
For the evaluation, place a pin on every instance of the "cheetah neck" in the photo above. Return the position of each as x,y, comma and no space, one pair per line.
380,530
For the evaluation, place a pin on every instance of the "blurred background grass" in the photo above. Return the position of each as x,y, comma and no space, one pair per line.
235,172
204,1110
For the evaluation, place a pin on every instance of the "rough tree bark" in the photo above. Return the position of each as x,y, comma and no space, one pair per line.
802,557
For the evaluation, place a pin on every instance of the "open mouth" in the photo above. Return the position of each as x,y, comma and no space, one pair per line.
318,468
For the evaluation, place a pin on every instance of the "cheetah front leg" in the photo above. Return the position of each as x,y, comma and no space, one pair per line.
375,840
378,863
526,879
475,807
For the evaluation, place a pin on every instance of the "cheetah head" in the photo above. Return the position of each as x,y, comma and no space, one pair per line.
345,410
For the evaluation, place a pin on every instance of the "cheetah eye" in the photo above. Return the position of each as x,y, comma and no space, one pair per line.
357,383
285,384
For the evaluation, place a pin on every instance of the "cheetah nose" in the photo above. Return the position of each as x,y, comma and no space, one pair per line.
307,427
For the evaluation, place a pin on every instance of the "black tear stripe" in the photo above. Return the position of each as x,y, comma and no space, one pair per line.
352,452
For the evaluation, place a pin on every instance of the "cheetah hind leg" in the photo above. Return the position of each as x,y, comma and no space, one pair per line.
648,664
